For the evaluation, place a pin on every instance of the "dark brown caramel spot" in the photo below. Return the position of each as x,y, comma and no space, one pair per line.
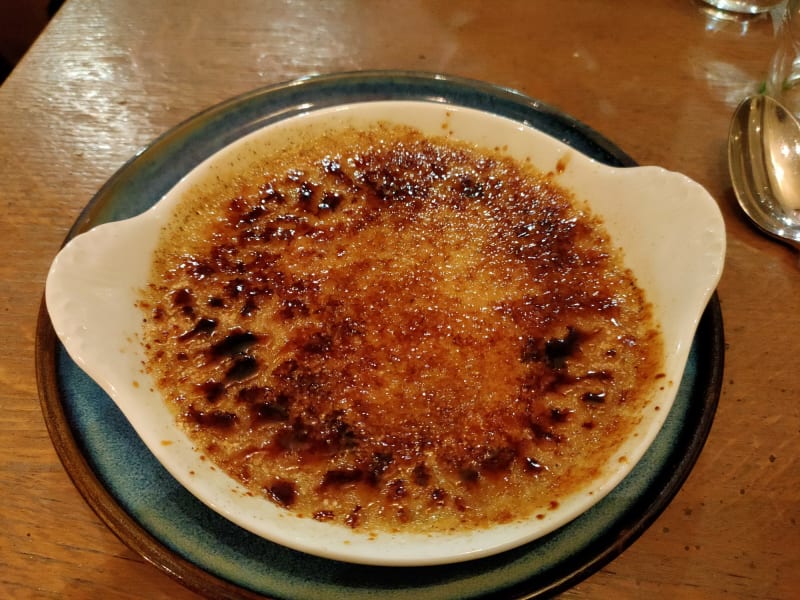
282,492
217,419
202,327
235,342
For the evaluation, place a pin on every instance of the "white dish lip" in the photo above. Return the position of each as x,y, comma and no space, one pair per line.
673,238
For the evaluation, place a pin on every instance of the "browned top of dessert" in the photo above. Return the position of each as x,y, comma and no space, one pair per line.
394,331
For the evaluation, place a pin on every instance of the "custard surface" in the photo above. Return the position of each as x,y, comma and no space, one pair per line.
398,332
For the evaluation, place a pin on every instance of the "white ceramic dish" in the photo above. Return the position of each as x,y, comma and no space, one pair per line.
669,227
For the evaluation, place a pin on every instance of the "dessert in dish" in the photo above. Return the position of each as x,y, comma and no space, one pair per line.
394,331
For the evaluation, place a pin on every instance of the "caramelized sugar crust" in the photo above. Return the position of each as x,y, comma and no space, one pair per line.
394,331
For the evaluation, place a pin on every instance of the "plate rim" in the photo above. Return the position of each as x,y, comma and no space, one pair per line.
193,577
88,213
103,502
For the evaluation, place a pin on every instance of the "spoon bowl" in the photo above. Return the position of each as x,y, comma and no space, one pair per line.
764,164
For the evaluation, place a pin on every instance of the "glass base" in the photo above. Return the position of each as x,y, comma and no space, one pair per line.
748,7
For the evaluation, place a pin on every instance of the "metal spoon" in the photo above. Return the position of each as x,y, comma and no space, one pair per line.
764,163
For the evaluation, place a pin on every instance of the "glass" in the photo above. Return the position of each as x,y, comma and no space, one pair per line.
783,80
750,7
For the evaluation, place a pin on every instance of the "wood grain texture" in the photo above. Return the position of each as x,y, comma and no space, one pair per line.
658,78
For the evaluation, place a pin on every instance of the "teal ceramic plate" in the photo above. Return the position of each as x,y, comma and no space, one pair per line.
157,517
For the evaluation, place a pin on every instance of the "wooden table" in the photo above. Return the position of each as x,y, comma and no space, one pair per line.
660,79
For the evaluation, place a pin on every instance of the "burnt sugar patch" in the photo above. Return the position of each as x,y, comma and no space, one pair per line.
386,330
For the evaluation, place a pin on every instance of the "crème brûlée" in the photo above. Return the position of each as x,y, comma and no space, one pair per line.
398,332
